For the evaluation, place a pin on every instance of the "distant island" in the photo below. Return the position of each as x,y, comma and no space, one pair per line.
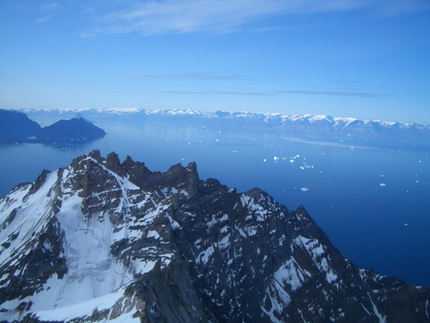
16,127
68,131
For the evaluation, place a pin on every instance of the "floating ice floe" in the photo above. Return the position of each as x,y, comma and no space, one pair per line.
304,166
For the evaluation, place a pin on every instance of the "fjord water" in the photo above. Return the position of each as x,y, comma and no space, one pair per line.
373,203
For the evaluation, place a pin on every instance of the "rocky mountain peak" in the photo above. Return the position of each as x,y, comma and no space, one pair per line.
113,163
102,240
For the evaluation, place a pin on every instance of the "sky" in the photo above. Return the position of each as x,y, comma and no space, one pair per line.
346,58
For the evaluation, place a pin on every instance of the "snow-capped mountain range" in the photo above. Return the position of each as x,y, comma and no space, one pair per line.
309,127
102,241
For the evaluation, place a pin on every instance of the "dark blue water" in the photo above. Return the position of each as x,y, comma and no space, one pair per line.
374,204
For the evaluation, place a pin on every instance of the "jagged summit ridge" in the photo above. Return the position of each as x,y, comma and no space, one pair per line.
101,240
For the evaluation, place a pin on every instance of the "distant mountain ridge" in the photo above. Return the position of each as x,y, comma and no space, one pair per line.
307,127
102,240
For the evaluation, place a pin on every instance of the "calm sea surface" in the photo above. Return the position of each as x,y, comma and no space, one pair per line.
374,204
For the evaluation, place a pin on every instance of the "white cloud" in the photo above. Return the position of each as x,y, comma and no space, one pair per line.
47,9
335,93
50,6
188,16
400,7
42,20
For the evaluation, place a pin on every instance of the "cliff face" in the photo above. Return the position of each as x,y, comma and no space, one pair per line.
102,240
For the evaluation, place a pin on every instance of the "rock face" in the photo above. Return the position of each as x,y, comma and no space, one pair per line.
103,240
73,130
16,126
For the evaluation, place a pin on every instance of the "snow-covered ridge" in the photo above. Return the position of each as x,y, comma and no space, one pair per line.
265,116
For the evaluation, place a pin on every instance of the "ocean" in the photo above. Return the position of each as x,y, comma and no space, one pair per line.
373,203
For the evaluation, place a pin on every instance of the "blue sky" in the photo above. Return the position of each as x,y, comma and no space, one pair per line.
347,58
